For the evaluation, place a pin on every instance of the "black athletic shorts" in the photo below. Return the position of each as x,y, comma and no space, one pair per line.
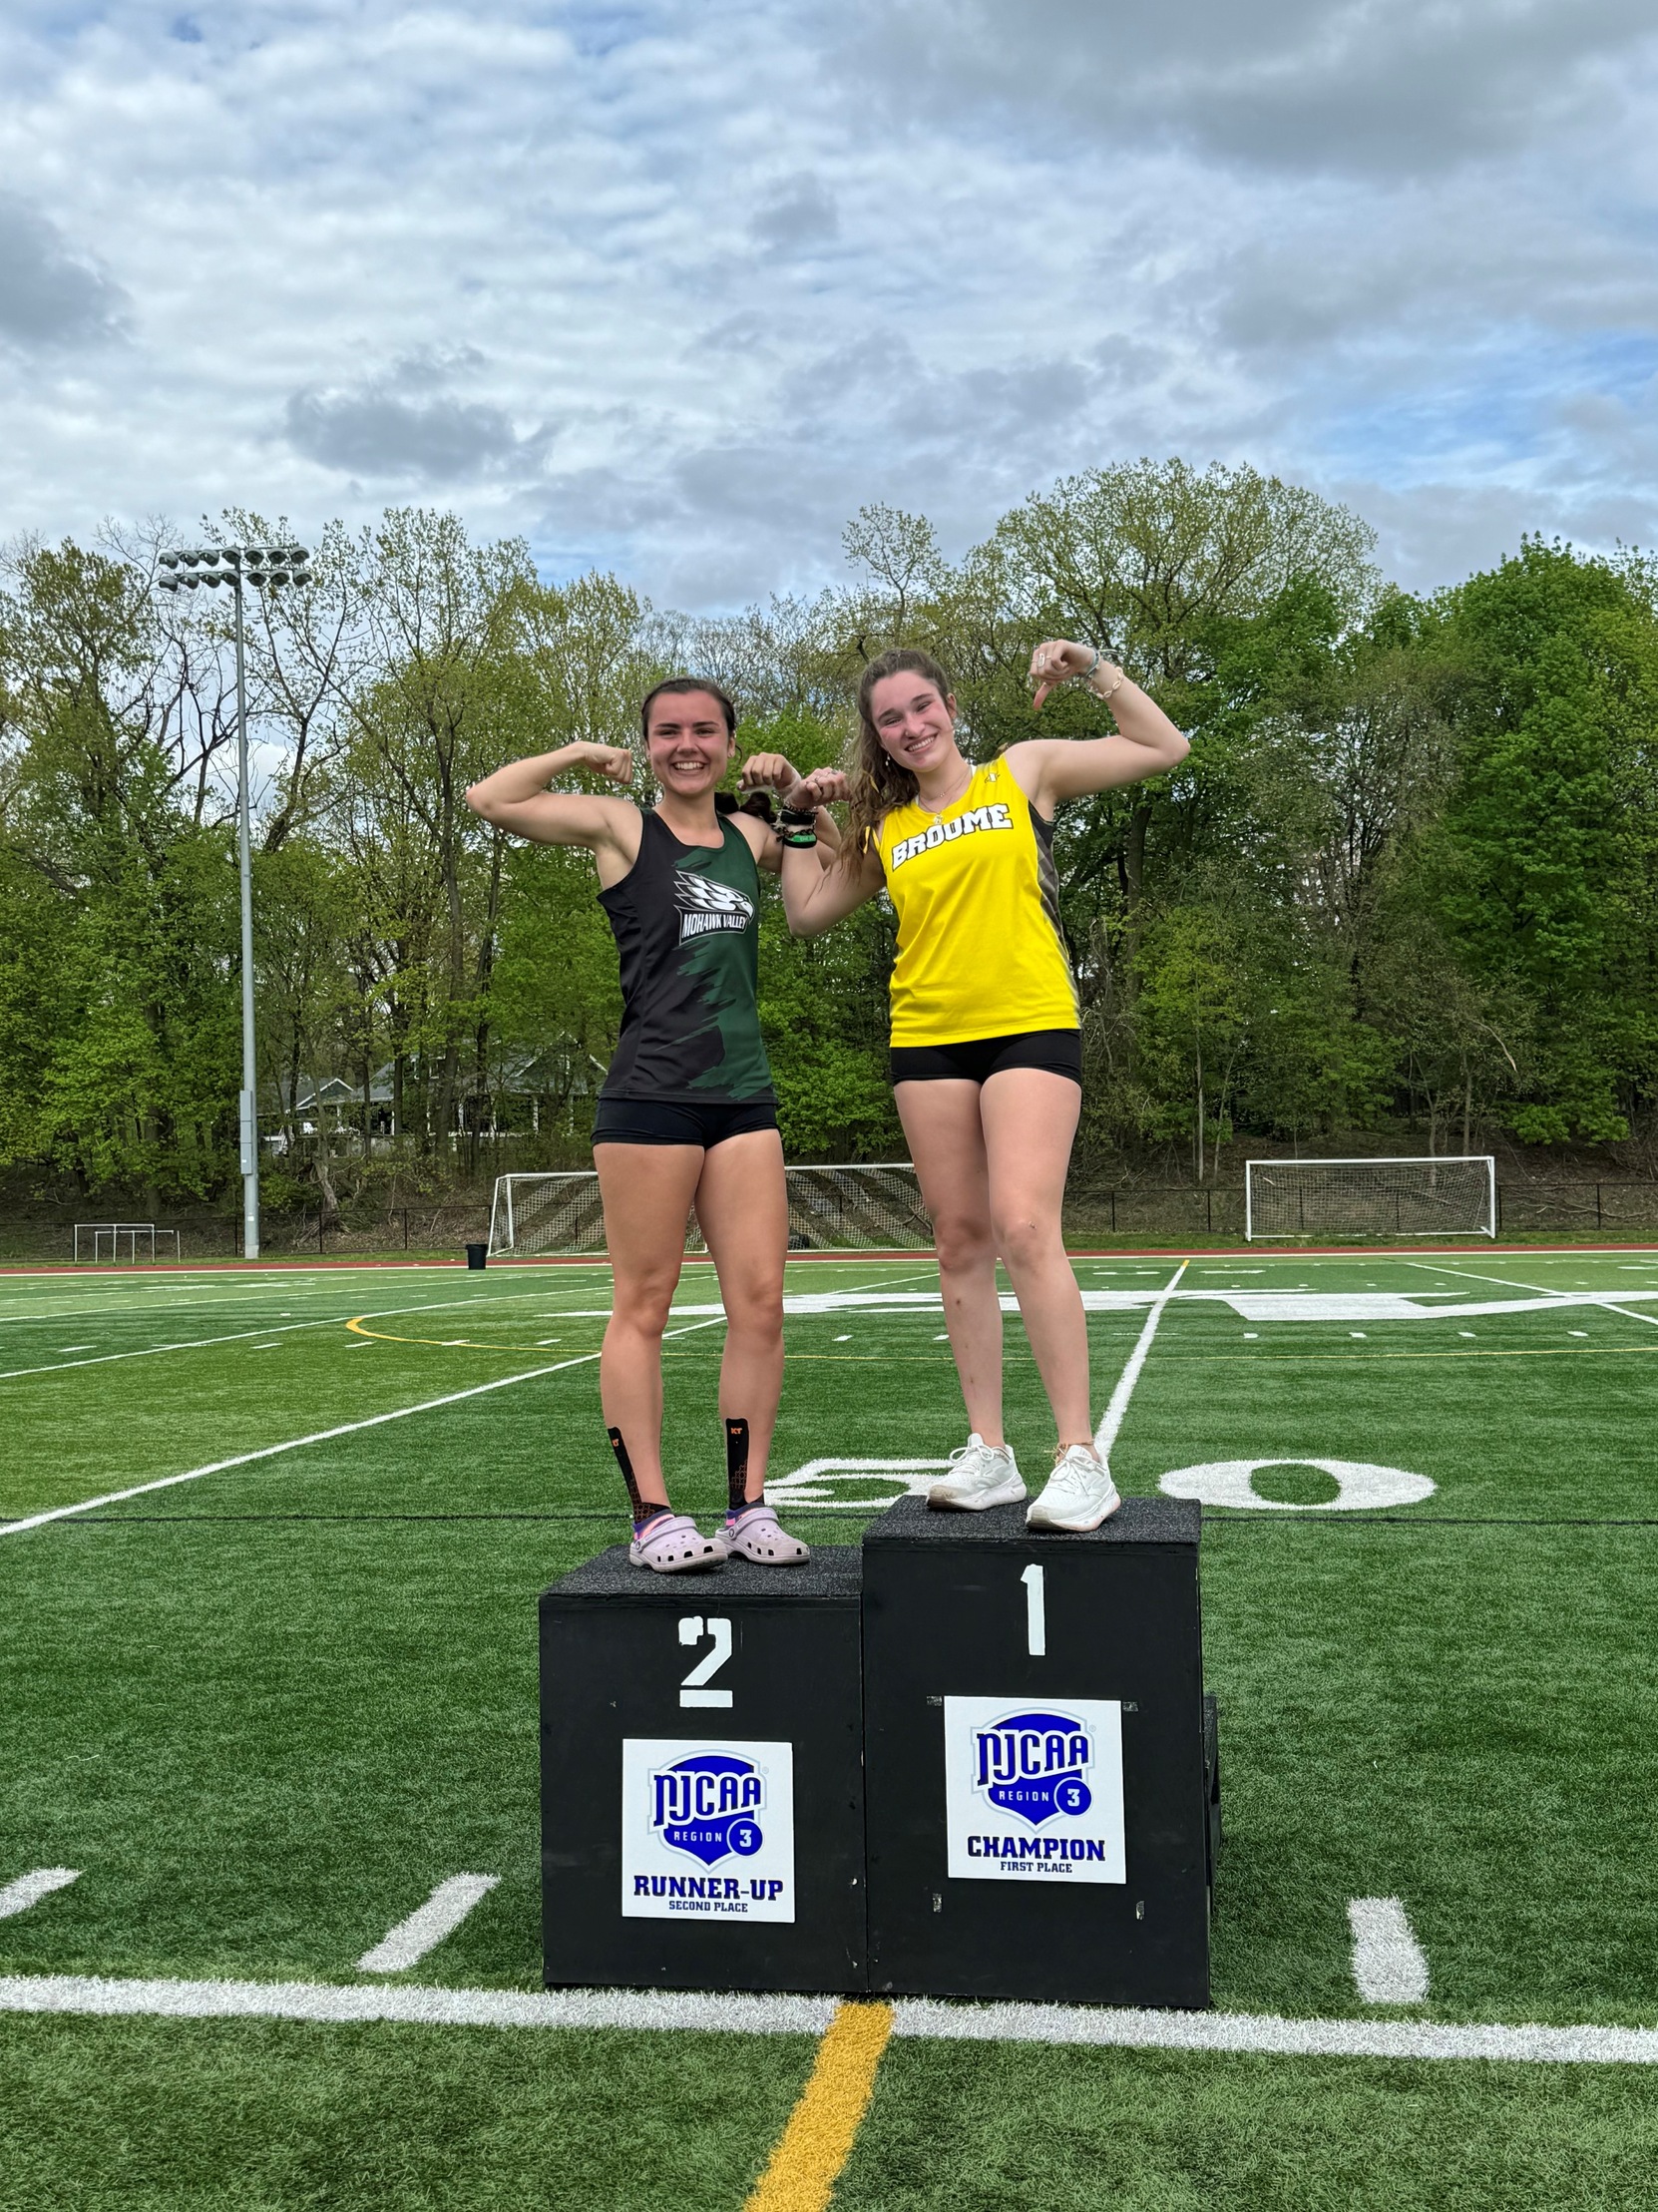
1058,1051
673,1121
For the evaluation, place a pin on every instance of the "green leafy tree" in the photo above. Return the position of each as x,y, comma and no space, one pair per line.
1541,867
120,1007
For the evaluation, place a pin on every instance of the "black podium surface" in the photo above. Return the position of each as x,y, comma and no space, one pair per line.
702,1821
1038,1780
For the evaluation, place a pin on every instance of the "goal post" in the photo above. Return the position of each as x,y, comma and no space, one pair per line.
1442,1195
853,1207
546,1213
119,1232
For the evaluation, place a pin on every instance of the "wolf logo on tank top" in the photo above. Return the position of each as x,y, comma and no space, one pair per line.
687,930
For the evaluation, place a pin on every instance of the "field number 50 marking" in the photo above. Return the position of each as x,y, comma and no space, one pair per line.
1036,1612
693,1628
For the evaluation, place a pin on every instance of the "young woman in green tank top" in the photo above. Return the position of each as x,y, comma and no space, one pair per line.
686,1115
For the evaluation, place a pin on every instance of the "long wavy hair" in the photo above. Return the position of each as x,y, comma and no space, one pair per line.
878,782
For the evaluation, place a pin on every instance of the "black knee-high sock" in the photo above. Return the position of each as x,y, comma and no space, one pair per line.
736,1469
642,1511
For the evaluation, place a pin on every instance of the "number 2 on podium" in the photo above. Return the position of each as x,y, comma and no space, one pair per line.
1035,1614
693,1628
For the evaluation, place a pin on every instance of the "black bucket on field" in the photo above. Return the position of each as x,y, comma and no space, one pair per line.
477,1254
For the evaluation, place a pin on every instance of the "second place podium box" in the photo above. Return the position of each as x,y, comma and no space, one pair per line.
703,1812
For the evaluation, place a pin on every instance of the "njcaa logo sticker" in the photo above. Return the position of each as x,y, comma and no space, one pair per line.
1034,1791
976,818
1032,1764
705,906
707,1830
706,1804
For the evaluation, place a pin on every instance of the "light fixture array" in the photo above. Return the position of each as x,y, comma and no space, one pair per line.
235,566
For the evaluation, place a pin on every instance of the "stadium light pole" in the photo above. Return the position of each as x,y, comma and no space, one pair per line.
235,568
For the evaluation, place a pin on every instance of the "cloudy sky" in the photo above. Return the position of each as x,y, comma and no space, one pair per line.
673,287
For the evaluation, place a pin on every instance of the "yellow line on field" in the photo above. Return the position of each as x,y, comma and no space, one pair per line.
442,1343
817,2142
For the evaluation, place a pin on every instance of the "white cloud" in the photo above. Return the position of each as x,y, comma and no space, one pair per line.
676,287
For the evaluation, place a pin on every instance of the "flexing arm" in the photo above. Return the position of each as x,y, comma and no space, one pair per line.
516,797
818,890
1146,743
770,772
816,897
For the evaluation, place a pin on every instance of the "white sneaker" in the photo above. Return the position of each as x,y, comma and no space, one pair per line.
979,1475
1078,1494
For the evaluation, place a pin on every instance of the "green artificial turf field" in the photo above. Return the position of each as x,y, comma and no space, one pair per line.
263,1711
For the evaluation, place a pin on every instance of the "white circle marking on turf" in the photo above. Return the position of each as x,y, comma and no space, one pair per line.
1361,1488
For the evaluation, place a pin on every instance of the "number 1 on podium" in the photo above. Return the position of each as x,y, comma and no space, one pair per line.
1035,1614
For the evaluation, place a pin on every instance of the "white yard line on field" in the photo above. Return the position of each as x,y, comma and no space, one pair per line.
103,1312
1540,1290
1273,2034
883,1282
29,1889
288,1328
151,1351
320,1435
1389,1966
416,2004
1105,1435
125,1300
426,1928
711,1309
925,2018
430,1305
236,1293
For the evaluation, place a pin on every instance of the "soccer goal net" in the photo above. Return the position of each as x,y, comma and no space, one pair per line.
1369,1197
833,1209
132,1237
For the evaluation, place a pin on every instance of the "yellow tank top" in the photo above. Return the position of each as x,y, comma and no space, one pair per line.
980,949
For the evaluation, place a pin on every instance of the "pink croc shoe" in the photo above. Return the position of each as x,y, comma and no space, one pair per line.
673,1544
755,1535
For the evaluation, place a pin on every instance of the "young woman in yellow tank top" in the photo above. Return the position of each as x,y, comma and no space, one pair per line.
986,1058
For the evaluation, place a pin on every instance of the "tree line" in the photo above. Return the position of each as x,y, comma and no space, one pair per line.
1408,874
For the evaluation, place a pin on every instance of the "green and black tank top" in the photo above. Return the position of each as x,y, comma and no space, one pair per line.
686,920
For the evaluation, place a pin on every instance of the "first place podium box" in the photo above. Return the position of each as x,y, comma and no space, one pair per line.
1039,1761
702,1816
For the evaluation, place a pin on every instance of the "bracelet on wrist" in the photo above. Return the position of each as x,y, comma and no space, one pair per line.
801,839
801,818
1111,689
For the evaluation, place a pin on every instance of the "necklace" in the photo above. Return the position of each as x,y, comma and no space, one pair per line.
936,812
